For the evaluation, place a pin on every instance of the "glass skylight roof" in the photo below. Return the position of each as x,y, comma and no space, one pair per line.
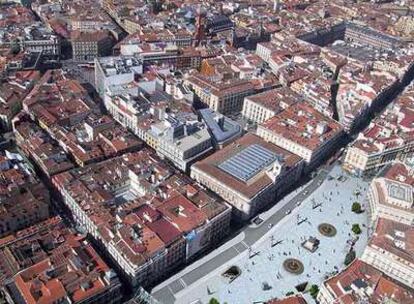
248,162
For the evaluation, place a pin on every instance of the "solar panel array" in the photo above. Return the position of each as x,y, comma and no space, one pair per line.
248,162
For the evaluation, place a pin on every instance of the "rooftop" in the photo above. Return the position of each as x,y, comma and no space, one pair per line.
223,164
222,88
395,238
288,300
49,262
362,282
277,99
248,162
120,65
38,145
222,128
394,128
303,125
164,207
282,241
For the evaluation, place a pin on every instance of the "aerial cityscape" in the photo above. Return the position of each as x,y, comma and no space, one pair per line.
207,152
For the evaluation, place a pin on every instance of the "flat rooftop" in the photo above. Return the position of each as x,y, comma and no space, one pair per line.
116,65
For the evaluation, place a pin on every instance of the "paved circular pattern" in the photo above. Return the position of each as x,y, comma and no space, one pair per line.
327,230
293,266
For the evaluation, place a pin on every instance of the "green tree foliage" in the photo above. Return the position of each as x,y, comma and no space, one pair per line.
350,256
313,291
356,229
213,301
356,207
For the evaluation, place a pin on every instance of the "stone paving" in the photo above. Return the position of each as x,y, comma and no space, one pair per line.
263,276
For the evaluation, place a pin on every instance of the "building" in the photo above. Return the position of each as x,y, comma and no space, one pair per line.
361,282
86,46
260,107
20,210
302,130
128,110
181,139
222,129
161,46
63,108
391,250
167,125
354,32
24,201
288,300
171,36
91,18
97,138
354,104
39,39
390,195
163,54
115,71
318,88
405,24
370,154
265,49
361,95
218,23
39,147
249,174
149,218
365,35
58,100
225,97
387,139
50,263
22,31
13,89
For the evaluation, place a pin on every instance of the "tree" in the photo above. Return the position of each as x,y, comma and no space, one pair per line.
314,290
356,229
350,256
213,301
356,207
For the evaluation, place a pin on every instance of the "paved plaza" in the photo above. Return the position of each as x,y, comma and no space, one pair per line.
262,273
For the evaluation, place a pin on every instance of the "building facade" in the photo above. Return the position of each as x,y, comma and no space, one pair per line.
225,97
390,251
390,195
249,174
162,219
86,46
302,130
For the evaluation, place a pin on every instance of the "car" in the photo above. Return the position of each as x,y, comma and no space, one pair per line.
288,211
298,203
270,225
305,192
